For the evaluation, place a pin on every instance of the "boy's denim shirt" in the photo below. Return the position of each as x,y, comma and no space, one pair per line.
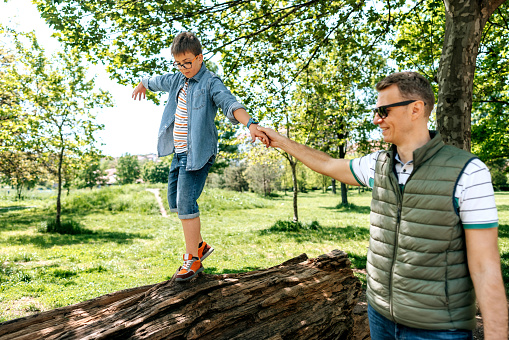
206,92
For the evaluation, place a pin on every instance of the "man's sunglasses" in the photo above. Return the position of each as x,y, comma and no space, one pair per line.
382,110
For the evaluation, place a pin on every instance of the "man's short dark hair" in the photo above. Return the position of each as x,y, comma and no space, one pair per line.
411,85
186,42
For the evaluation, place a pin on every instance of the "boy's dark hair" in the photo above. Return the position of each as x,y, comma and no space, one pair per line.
411,85
186,42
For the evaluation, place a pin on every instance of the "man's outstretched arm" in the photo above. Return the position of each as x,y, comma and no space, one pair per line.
318,161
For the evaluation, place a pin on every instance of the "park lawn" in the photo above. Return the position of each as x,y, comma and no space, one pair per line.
127,243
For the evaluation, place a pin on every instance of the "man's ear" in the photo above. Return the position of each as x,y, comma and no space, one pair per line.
418,110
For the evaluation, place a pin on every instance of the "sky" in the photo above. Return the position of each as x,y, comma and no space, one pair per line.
129,126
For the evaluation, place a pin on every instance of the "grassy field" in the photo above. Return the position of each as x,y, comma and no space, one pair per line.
126,243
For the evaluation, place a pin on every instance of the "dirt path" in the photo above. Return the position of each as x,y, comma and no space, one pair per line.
159,201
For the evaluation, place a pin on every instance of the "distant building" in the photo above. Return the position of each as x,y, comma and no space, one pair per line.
111,177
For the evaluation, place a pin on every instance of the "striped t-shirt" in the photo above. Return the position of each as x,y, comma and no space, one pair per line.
474,194
180,128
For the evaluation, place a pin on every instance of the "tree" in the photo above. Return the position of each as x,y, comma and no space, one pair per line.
155,172
263,170
128,169
20,170
234,177
55,119
91,176
444,39
252,35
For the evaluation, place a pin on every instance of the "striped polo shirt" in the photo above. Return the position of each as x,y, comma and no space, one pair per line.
181,119
474,195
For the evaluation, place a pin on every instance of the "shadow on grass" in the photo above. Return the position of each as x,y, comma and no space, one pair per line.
503,230
48,240
319,234
14,207
17,220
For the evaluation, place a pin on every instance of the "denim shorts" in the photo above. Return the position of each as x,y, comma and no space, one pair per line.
185,187
382,328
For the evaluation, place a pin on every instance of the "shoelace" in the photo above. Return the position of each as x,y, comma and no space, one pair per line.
187,264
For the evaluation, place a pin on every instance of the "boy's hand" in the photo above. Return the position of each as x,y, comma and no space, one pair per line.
256,133
139,90
275,139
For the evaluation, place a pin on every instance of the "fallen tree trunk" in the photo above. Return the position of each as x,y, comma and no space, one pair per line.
299,299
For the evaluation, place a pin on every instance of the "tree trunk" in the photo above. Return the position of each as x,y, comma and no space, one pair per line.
333,181
464,24
299,299
293,165
344,191
59,188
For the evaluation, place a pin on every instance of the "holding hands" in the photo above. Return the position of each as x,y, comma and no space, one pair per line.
255,132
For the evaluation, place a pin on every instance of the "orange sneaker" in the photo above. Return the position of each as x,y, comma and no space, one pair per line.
191,267
204,251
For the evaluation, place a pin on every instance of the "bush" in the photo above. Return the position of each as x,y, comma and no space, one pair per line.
285,226
127,198
68,227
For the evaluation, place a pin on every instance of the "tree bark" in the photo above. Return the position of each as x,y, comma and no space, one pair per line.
299,299
293,165
59,187
344,191
464,24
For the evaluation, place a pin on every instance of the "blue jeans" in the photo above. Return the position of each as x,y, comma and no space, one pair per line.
382,328
185,187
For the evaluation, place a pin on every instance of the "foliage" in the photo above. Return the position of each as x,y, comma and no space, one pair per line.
263,170
155,172
130,36
127,198
499,170
234,177
285,226
19,169
54,119
128,169
91,176
418,45
66,227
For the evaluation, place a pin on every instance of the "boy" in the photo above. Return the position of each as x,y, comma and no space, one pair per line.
188,130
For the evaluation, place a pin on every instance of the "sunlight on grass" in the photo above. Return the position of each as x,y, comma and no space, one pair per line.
129,244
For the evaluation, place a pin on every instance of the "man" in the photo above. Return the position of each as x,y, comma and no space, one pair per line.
434,223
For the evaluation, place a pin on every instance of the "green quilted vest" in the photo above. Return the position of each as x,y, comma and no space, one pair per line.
417,266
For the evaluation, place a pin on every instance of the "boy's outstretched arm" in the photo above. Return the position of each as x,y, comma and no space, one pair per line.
243,117
139,90
315,160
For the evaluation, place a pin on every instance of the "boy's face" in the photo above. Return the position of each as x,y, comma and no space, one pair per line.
188,57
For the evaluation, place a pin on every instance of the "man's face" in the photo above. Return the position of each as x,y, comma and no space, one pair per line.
188,57
397,124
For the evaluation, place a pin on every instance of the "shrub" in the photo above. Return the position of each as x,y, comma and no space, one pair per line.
285,226
66,227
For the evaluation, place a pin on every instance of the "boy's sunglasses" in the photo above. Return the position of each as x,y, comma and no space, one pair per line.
382,110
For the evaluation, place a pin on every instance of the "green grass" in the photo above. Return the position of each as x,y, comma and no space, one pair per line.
128,244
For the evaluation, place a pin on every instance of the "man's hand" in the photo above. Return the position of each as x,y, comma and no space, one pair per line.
256,133
139,90
275,139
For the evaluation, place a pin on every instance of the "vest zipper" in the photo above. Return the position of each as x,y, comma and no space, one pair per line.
396,241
